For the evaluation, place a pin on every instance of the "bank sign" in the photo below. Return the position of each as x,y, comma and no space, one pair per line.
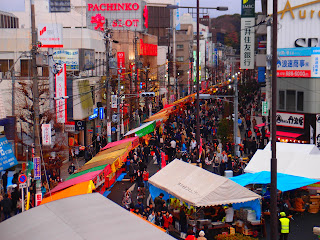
298,62
120,14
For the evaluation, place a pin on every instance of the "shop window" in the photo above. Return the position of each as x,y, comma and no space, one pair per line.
300,101
180,46
291,100
281,100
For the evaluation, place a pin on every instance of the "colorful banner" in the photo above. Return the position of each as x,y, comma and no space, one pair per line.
61,93
7,158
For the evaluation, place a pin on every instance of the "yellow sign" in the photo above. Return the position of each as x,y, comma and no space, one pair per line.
302,13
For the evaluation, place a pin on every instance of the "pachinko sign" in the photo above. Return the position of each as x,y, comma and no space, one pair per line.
120,15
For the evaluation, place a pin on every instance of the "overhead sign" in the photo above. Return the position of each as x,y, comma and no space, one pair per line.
298,62
61,93
68,57
293,120
248,8
37,168
22,178
7,158
50,35
121,15
247,43
46,134
318,130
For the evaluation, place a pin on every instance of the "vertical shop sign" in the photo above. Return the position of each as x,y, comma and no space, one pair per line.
61,92
121,65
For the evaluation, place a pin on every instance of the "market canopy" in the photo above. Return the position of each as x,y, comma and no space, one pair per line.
143,130
134,141
285,182
82,178
296,159
90,216
78,189
199,187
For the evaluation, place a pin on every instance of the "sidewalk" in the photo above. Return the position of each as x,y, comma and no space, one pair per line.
64,168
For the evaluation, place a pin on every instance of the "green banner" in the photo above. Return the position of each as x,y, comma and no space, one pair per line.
247,8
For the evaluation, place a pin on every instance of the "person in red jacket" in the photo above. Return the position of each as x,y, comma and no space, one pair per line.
167,220
145,177
191,235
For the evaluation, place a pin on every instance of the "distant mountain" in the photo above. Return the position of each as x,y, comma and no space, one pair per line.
226,30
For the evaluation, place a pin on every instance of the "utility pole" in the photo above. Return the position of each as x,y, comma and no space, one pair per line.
174,51
235,122
51,90
169,64
13,91
273,190
35,91
198,87
107,82
136,76
118,107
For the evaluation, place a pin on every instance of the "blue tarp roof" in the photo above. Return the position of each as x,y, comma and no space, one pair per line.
285,182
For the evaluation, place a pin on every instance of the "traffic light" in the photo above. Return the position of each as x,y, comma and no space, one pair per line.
147,94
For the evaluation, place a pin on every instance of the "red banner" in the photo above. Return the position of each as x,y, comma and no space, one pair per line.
121,65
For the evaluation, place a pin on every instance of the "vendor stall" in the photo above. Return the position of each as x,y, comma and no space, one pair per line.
202,191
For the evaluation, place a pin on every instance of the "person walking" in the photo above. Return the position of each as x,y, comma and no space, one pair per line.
6,205
284,226
5,181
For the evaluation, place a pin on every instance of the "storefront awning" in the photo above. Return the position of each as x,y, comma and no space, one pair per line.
286,135
77,174
133,140
143,130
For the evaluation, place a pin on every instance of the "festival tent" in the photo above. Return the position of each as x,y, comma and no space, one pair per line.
143,130
285,182
90,216
77,174
293,158
133,140
199,187
78,189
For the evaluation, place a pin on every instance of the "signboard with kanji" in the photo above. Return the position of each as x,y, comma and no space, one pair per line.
264,108
7,158
37,168
247,43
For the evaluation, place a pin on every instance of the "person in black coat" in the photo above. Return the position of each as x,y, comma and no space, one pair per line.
6,205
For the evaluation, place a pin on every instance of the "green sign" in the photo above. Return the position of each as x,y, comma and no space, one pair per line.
264,108
247,8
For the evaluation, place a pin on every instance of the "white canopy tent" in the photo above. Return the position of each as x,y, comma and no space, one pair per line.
296,159
199,187
89,216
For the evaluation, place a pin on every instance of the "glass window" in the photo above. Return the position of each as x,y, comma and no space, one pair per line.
180,46
281,100
180,59
300,101
291,100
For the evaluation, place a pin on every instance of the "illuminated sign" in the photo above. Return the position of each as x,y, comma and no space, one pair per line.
148,49
94,115
119,14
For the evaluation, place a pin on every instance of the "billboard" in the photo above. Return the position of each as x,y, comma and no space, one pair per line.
298,62
68,57
50,35
293,120
120,14
248,8
298,20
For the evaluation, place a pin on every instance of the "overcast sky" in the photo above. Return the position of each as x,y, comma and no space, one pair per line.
233,5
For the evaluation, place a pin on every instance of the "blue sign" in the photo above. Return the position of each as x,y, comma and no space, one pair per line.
7,158
101,113
94,115
261,74
37,168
